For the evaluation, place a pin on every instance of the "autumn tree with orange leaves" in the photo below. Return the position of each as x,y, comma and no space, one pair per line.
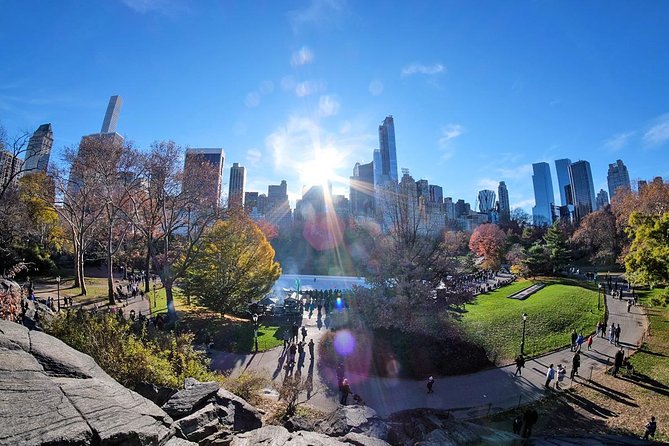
488,241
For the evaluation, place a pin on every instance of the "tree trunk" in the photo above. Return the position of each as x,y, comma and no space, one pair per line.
110,269
171,311
147,266
77,278
82,277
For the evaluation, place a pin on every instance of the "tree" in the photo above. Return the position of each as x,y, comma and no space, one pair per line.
488,241
234,266
597,237
556,248
536,260
13,151
648,258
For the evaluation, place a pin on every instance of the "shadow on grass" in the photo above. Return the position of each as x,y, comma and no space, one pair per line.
609,393
587,405
647,383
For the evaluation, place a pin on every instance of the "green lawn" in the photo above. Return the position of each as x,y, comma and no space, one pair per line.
496,323
652,360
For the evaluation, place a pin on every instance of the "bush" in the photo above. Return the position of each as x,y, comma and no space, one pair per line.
129,353
247,385
10,300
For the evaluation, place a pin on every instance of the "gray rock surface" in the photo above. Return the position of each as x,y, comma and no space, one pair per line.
180,442
52,394
200,424
356,419
194,397
242,416
279,436
158,394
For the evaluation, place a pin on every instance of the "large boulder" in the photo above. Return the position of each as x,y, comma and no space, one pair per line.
158,394
53,394
279,436
199,425
192,398
242,416
356,419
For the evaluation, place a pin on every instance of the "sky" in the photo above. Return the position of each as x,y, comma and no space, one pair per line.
296,90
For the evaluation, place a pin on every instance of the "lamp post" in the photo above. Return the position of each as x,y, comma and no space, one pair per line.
599,292
522,342
58,288
154,295
255,330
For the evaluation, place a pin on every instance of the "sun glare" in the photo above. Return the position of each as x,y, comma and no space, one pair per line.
321,169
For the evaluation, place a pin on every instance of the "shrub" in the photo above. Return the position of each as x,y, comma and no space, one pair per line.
128,352
247,385
10,300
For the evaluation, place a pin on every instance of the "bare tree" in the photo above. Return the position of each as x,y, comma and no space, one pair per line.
12,151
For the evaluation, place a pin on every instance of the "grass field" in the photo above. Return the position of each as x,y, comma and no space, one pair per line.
496,323
652,359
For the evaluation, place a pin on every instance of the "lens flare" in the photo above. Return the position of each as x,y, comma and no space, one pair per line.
344,343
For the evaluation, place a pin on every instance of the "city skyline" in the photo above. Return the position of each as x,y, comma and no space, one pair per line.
473,105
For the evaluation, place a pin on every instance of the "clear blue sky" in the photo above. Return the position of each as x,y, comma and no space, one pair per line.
479,89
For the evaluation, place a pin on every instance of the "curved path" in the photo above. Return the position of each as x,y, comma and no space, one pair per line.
467,396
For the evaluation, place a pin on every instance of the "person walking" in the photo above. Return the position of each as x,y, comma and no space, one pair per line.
629,304
304,333
618,361
550,375
575,364
430,383
520,363
617,335
294,329
345,391
590,338
574,336
292,351
651,427
579,342
561,373
311,349
612,333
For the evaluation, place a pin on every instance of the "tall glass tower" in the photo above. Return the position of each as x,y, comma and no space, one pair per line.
237,183
504,207
617,177
388,149
542,212
582,189
562,172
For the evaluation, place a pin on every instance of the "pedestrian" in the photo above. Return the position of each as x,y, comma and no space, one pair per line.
517,424
651,427
304,333
575,364
579,342
590,342
520,363
286,339
617,335
629,304
345,391
550,374
294,332
430,383
618,361
292,350
340,373
311,349
561,373
574,336
612,333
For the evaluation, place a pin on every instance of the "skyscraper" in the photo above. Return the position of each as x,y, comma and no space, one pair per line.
436,194
618,177
602,199
111,117
542,212
362,190
423,190
39,149
10,169
504,207
388,150
486,199
236,188
582,189
277,207
212,156
376,160
562,172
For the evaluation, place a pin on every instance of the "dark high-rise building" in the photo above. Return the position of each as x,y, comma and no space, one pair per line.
39,149
361,194
486,199
111,116
250,201
582,189
562,172
215,157
236,188
423,190
388,150
10,169
617,178
436,194
542,212
602,199
277,209
503,197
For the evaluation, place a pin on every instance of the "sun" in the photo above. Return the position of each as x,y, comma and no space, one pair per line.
322,169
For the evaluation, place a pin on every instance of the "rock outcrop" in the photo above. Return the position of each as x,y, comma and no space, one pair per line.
354,419
53,394
279,436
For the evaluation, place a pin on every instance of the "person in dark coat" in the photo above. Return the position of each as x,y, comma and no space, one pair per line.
430,383
618,361
530,418
345,391
575,364
520,363
311,349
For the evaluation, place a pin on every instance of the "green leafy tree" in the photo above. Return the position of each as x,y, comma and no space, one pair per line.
536,259
234,266
648,258
557,249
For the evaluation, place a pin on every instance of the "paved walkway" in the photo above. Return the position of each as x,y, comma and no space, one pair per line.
487,391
